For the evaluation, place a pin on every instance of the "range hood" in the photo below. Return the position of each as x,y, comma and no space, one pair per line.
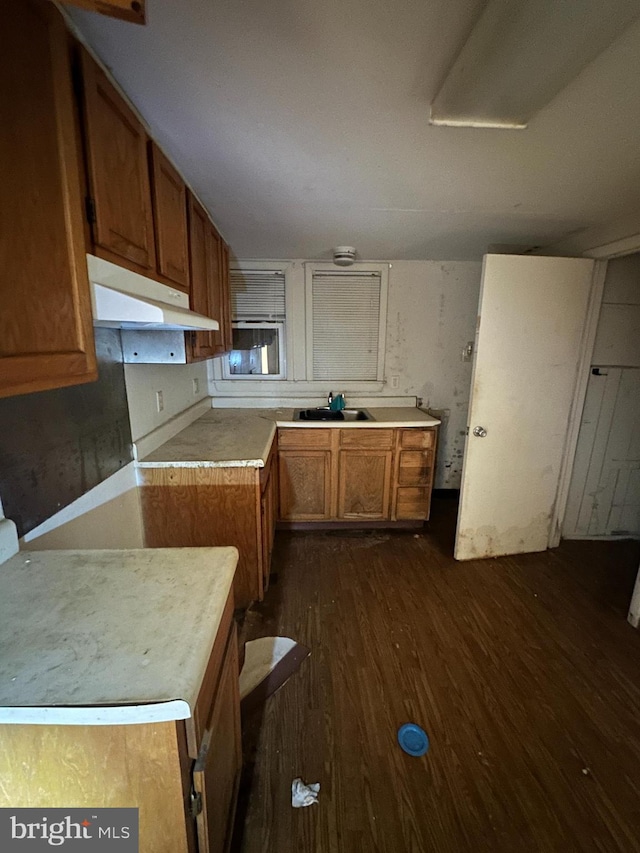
125,300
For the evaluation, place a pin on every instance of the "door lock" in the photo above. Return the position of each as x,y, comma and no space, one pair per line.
479,431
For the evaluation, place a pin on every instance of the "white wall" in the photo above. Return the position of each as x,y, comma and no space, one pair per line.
618,336
176,383
432,312
107,516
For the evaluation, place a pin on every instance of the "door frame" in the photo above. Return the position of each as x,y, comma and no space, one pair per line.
601,253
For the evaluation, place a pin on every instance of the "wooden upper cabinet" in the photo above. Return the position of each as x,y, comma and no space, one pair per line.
118,174
170,217
46,332
225,319
202,343
128,10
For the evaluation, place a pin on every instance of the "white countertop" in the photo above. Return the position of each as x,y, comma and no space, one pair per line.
108,637
230,438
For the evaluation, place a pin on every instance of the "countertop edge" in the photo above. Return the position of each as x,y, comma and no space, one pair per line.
97,715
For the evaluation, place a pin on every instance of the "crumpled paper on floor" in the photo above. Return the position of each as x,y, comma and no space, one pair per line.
304,795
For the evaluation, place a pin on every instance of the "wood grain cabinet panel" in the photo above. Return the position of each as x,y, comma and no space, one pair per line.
305,484
46,331
355,474
414,467
217,772
183,507
414,470
145,766
209,282
364,484
118,171
170,219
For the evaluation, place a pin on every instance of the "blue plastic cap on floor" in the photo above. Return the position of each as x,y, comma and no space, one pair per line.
413,739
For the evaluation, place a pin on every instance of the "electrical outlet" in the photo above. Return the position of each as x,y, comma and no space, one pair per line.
395,382
196,386
159,400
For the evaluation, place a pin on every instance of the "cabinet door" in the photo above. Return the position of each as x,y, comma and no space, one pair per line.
118,173
226,336
365,484
202,343
268,516
170,218
305,485
46,332
217,771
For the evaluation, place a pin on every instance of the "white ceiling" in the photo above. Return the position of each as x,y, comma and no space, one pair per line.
305,125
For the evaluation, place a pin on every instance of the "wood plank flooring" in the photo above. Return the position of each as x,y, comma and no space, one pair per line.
523,671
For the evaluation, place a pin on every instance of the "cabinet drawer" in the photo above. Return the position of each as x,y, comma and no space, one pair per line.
366,439
412,503
414,468
417,438
304,439
196,725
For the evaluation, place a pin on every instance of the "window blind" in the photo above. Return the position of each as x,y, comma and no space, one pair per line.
257,295
346,325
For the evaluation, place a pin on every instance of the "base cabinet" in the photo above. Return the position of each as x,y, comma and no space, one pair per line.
184,507
358,474
185,804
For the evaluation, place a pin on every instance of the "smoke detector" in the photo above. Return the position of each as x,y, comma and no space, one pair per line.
344,256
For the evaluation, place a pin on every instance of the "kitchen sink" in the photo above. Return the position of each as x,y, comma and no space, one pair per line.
324,413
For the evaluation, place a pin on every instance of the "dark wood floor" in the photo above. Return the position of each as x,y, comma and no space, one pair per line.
523,671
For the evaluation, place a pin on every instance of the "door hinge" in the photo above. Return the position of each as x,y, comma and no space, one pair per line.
195,804
90,206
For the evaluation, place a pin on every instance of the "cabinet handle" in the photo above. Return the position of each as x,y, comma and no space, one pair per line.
195,804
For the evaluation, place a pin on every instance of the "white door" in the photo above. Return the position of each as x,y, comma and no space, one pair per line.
604,496
531,320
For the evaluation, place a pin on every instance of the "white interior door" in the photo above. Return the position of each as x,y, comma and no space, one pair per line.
604,496
531,320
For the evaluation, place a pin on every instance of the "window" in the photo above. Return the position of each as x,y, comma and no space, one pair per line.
346,322
258,311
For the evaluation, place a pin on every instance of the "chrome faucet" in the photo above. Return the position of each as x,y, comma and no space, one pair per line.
330,398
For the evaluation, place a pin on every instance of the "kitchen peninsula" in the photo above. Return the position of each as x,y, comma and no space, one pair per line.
119,681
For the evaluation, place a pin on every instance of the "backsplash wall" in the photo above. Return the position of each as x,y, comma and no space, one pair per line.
57,445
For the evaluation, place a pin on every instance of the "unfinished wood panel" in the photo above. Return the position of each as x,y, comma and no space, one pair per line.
304,439
522,670
116,147
363,438
305,484
364,484
100,767
46,331
217,772
414,467
170,218
184,507
417,438
198,723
